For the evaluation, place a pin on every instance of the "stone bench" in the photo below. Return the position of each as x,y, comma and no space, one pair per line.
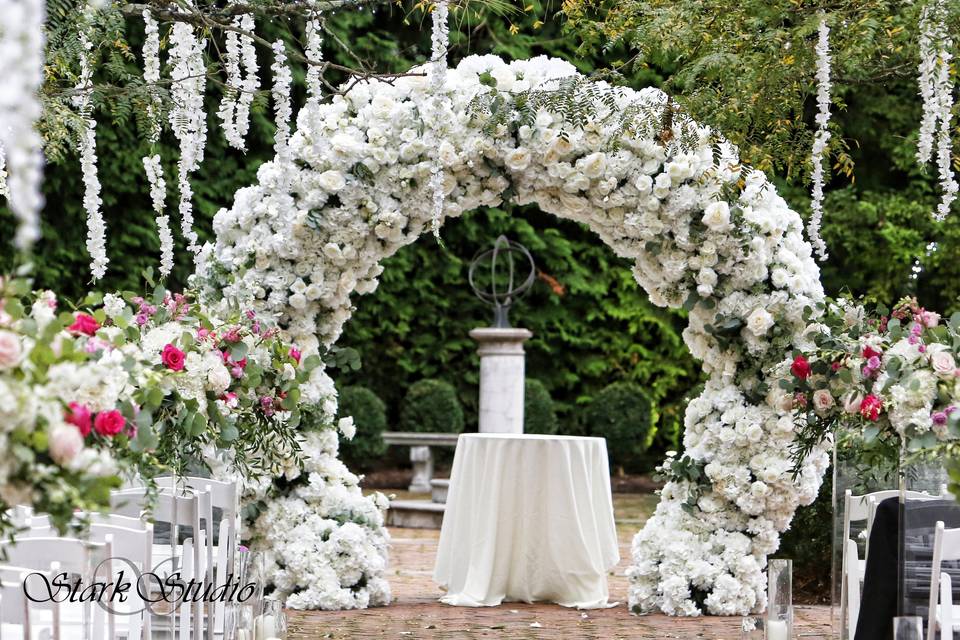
420,454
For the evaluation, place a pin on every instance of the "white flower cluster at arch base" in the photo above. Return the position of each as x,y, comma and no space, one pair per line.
701,231
327,543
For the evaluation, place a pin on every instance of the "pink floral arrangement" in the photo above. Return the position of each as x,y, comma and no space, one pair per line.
890,377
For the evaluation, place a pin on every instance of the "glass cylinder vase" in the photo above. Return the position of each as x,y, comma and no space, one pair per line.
779,599
908,628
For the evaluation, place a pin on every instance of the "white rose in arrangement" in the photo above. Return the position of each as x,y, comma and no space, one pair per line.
852,401
11,350
717,216
332,181
66,442
759,322
518,159
298,301
218,379
593,165
943,363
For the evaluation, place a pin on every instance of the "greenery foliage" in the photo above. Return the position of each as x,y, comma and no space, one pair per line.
539,415
624,414
431,406
370,418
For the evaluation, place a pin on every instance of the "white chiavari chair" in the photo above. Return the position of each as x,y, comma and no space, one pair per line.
177,510
90,561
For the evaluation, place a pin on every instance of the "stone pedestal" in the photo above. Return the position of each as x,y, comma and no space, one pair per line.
501,378
422,460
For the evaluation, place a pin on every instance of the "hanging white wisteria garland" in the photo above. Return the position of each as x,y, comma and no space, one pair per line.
282,108
151,163
821,139
314,51
187,117
3,172
936,90
96,228
242,82
21,70
436,76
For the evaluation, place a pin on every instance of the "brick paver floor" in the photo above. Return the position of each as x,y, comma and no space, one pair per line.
416,613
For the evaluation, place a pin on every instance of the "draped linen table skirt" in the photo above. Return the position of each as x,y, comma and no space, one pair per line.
529,518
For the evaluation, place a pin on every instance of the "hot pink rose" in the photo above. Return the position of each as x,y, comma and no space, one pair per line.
10,349
295,354
109,423
172,358
79,416
870,407
85,324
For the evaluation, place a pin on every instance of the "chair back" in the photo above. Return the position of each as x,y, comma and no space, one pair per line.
946,546
219,549
112,519
14,606
92,561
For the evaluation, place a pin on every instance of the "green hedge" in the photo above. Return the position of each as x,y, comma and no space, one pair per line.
370,417
623,414
539,415
431,406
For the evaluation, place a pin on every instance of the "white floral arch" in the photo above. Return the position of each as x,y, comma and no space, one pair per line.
658,189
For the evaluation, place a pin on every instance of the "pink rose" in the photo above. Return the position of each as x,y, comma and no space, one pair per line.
172,358
79,416
943,363
85,324
295,354
10,349
822,400
109,423
65,443
929,319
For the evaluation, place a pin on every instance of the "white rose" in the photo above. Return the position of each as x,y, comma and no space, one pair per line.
643,183
218,379
943,363
331,180
518,159
66,442
298,301
593,165
759,322
822,400
717,216
851,402
557,149
10,350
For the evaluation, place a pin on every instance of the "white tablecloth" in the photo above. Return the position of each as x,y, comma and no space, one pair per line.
529,518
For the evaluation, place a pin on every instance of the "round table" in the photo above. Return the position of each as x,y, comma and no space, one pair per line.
529,518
